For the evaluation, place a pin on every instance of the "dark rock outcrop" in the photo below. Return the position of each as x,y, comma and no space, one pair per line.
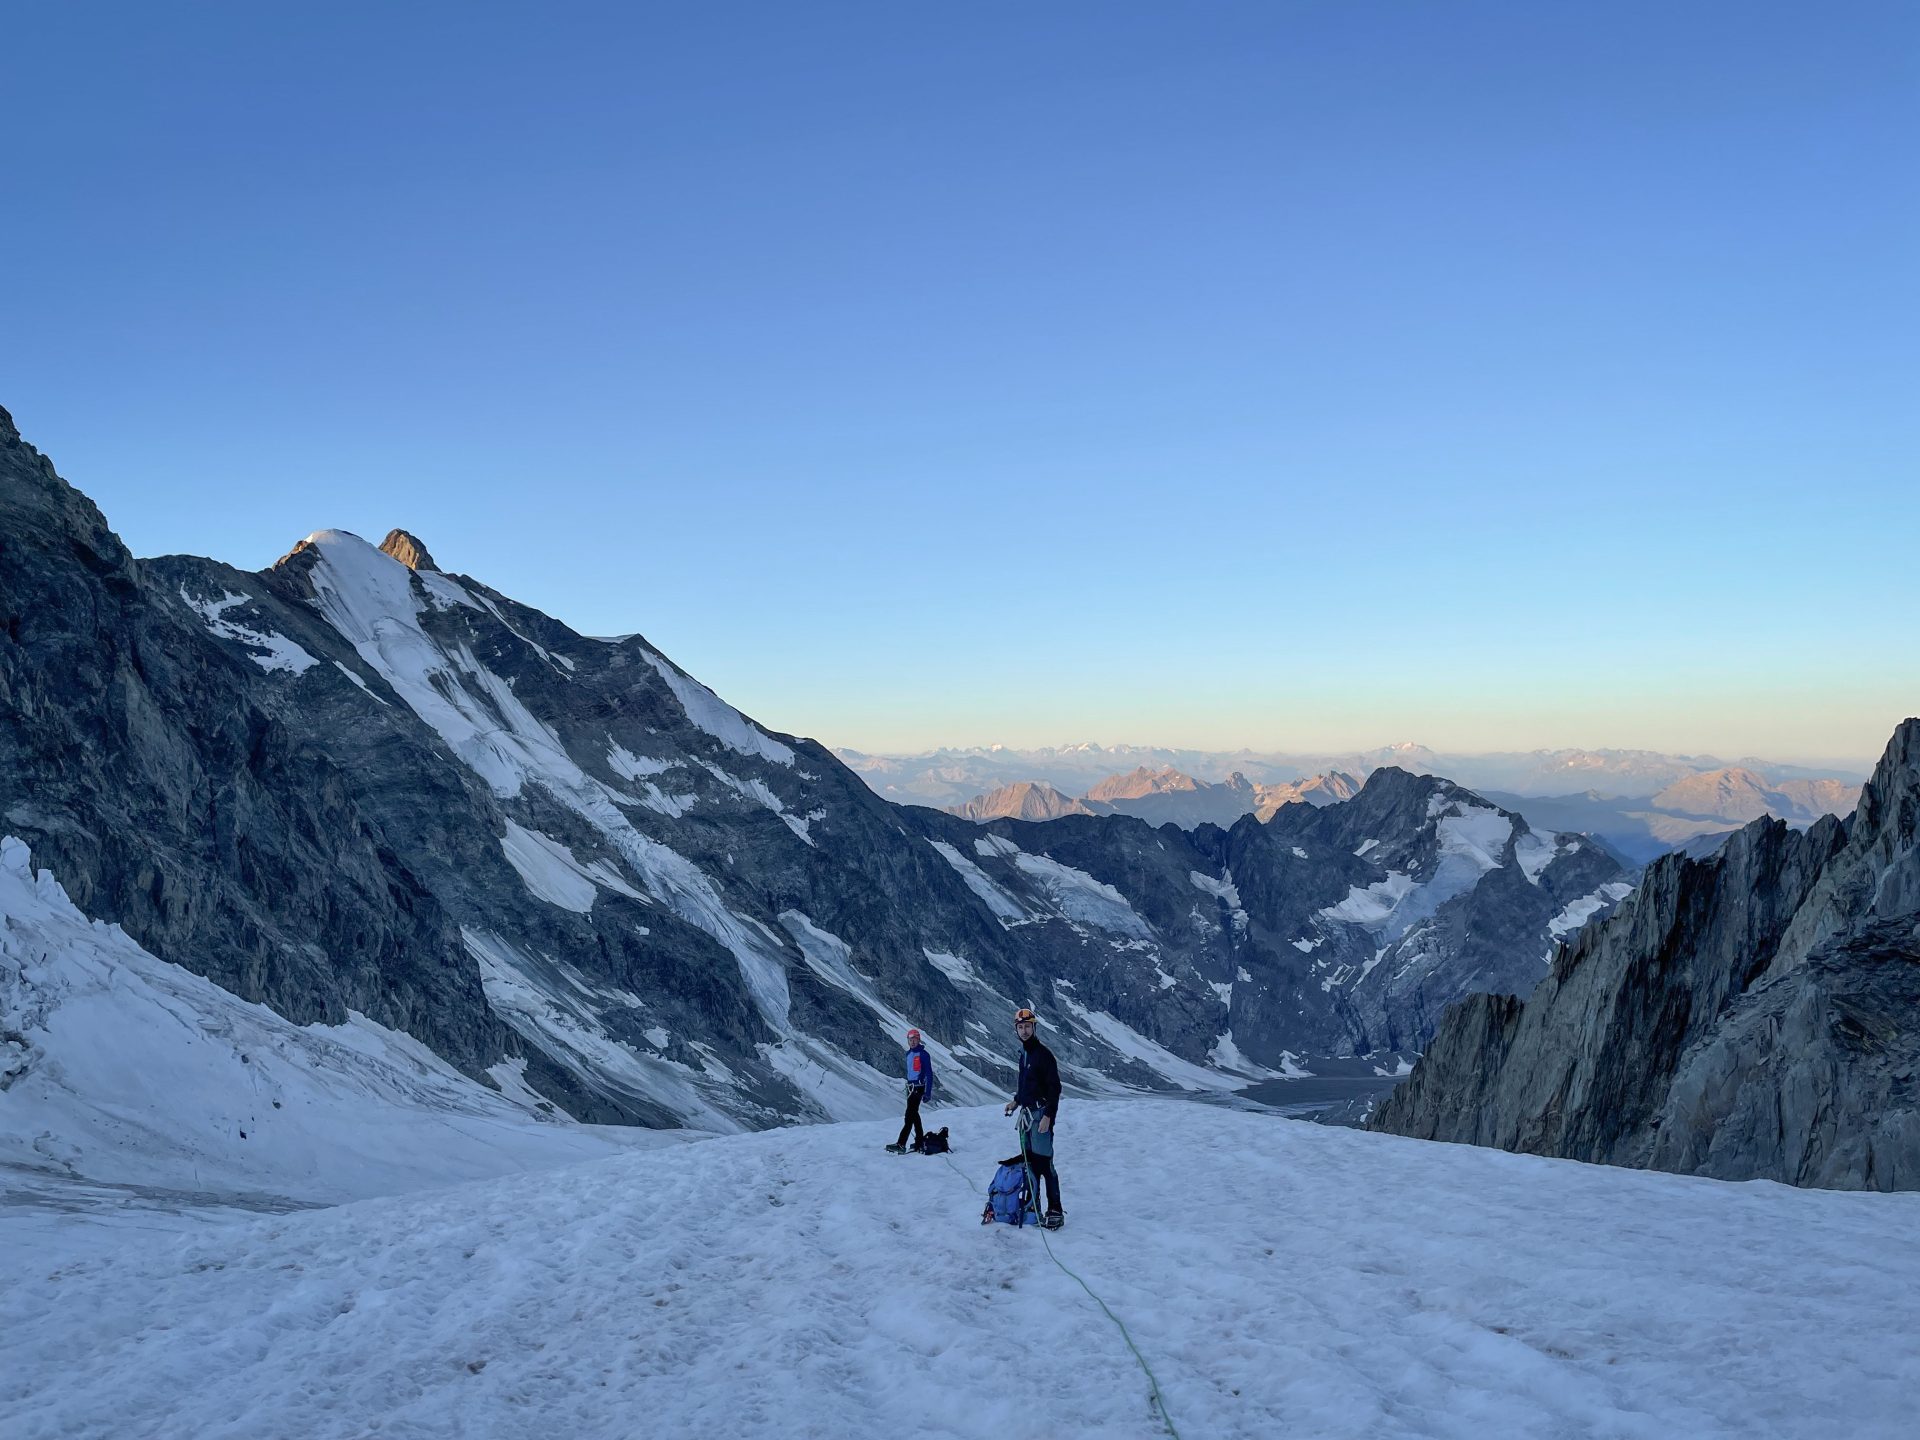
140,761
1811,1079
1749,1015
407,549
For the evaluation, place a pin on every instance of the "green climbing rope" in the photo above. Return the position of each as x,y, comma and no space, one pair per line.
1153,1385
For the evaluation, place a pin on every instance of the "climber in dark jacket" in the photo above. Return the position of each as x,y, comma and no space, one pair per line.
1037,1098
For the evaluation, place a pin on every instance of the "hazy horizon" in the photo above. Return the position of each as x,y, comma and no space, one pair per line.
1859,763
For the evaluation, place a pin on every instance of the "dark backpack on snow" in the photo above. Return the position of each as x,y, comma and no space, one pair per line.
934,1142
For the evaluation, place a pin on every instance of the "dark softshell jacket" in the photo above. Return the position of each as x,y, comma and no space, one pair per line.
1039,1080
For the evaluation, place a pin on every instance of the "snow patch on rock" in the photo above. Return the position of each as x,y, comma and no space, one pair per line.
710,713
1222,889
1534,851
1579,912
1078,897
1005,908
265,648
629,766
1119,1036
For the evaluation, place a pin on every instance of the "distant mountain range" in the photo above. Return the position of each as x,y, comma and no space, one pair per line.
954,776
1160,797
1027,800
1693,815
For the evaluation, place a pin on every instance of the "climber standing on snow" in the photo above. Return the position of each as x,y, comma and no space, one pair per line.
1038,1101
919,1087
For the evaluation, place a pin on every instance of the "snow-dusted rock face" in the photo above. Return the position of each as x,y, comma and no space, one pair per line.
356,784
147,760
1752,1015
1334,930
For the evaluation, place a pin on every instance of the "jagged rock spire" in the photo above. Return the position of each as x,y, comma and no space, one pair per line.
405,547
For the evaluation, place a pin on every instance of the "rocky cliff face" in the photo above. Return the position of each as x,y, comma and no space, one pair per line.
1750,1015
144,759
1340,930
354,782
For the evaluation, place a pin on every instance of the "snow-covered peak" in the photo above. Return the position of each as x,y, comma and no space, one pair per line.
359,582
1476,833
330,537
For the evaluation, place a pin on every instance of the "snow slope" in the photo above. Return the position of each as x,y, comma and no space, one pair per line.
125,1080
1307,1281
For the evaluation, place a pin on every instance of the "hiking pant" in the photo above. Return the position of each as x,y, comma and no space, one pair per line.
1037,1146
1043,1170
912,1122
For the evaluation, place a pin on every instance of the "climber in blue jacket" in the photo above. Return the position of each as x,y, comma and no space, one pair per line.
919,1088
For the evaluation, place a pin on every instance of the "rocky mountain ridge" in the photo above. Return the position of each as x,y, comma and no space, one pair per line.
354,784
1755,1014
1338,930
1693,815
1328,789
1027,800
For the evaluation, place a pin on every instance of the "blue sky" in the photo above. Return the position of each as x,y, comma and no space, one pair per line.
1288,375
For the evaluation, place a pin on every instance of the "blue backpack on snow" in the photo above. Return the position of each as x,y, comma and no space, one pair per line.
1009,1198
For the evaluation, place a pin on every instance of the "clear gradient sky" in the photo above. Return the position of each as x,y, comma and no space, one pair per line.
1278,374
